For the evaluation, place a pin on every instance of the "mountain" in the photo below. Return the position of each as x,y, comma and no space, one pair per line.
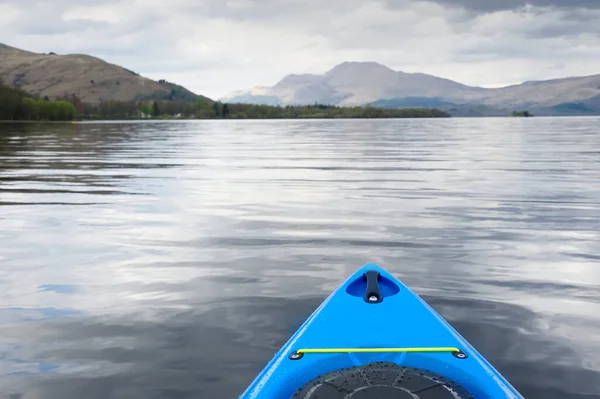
256,95
362,83
89,78
353,83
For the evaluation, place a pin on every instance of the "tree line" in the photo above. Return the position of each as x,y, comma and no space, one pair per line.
249,111
200,109
17,105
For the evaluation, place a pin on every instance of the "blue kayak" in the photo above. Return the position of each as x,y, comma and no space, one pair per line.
373,338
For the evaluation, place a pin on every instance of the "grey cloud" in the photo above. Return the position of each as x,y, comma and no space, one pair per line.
233,44
579,15
297,14
43,18
273,9
503,5
30,25
42,13
549,44
27,4
141,35
262,10
562,30
315,19
501,50
177,66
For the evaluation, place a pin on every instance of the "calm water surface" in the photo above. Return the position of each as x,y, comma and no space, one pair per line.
171,260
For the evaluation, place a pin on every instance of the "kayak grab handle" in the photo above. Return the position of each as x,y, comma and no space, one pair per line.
372,293
372,287
299,354
377,350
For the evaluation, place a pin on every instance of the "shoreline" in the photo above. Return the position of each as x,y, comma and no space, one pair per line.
220,119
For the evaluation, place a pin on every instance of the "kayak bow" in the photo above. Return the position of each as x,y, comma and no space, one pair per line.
374,338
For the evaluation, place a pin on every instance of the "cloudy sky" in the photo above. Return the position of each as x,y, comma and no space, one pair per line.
216,46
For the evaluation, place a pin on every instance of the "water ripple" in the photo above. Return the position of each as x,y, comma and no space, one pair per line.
171,259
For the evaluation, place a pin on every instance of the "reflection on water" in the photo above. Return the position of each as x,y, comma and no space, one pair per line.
170,260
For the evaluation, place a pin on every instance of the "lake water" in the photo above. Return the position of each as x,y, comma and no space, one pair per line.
172,259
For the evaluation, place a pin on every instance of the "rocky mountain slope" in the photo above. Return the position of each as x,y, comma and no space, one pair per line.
89,78
360,83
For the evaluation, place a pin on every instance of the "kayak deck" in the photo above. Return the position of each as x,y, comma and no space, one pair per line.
381,380
374,322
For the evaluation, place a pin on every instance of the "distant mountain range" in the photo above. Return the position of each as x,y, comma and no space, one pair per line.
369,83
348,84
89,78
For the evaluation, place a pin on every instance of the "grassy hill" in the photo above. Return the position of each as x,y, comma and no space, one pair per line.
89,78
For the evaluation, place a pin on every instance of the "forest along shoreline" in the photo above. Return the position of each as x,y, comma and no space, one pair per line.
17,105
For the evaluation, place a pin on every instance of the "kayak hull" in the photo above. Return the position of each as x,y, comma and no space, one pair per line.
364,322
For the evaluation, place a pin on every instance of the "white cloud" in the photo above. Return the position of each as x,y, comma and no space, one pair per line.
8,13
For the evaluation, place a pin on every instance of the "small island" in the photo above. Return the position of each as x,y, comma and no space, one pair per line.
521,114
16,105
